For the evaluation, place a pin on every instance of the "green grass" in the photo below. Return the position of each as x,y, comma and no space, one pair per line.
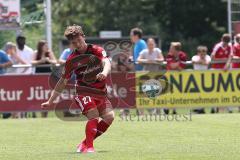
206,137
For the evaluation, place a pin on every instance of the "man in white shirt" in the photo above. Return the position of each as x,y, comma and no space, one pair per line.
26,53
201,60
150,57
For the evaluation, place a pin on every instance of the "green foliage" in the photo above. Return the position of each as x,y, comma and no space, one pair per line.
6,36
188,21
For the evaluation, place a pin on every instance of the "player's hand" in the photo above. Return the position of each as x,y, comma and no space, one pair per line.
101,76
46,104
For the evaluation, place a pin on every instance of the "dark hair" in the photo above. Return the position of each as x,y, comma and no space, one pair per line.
137,32
20,37
40,45
226,38
73,31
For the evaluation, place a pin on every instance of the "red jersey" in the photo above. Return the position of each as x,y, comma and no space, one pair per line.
236,52
86,66
182,57
220,52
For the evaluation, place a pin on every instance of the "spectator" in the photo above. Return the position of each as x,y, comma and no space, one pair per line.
175,61
221,51
236,51
176,58
151,56
4,63
139,45
65,54
150,59
236,54
43,57
11,50
200,62
123,63
25,53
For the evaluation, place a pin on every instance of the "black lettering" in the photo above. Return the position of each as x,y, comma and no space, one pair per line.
176,83
238,81
225,85
203,81
195,88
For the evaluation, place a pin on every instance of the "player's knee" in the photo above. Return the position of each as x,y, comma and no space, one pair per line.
93,113
109,117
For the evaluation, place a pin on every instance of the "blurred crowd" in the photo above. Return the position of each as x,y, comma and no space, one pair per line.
142,56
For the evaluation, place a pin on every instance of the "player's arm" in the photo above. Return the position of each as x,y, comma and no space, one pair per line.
106,69
228,63
55,93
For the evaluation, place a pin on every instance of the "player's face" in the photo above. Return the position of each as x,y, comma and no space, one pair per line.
78,42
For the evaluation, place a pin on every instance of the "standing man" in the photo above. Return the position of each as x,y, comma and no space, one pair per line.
96,107
65,54
236,52
25,53
175,61
176,57
222,51
139,45
4,63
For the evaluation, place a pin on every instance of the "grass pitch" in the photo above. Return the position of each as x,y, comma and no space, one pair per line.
206,137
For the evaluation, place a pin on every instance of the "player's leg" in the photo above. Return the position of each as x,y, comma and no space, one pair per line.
91,127
90,131
89,109
107,116
107,119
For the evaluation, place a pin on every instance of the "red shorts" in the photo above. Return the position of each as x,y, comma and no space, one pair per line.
85,103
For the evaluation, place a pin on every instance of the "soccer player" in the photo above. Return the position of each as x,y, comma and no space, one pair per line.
97,109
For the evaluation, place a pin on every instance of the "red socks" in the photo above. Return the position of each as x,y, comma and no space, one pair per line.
101,128
94,130
91,130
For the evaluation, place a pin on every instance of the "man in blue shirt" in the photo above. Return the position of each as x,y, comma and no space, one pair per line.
65,54
4,62
139,45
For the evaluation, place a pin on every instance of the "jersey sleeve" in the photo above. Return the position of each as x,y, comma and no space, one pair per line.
68,69
100,53
215,49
